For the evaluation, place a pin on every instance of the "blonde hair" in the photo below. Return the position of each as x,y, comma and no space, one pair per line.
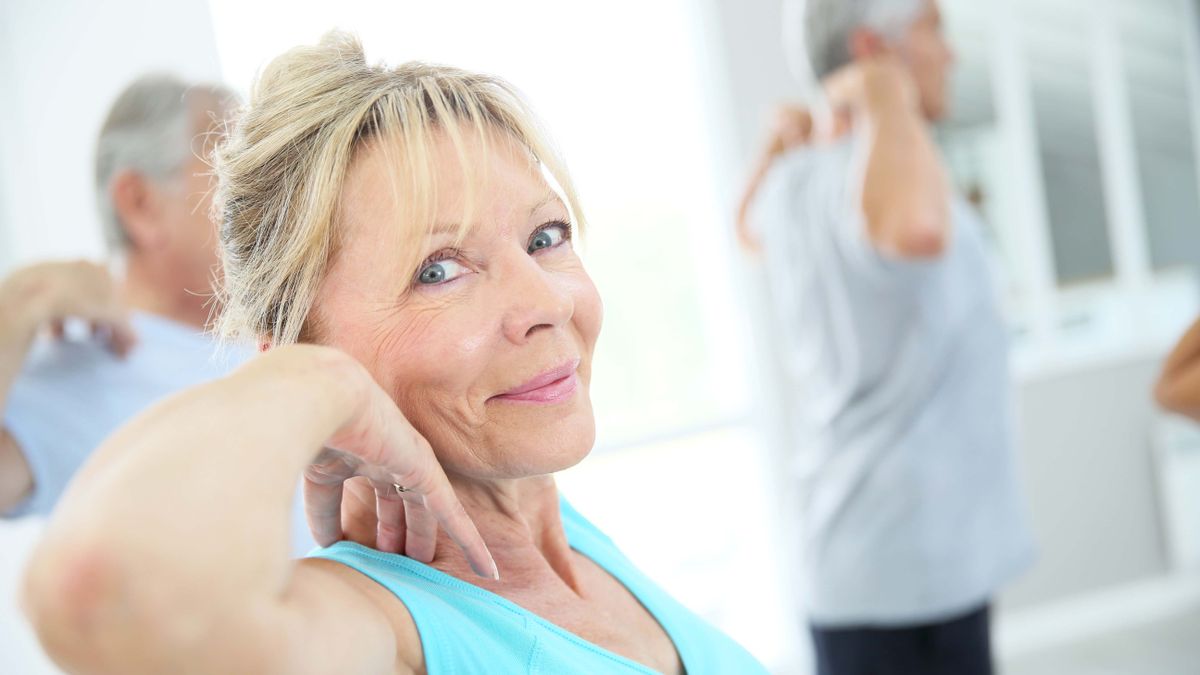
282,169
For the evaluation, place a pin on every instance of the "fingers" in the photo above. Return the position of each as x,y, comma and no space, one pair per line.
421,539
828,123
109,318
360,523
87,291
323,508
390,526
116,332
121,336
792,126
323,493
443,504
377,434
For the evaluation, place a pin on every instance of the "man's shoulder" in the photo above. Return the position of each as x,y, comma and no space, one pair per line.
157,363
811,168
72,355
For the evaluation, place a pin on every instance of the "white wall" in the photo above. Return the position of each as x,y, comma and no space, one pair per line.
1091,481
61,65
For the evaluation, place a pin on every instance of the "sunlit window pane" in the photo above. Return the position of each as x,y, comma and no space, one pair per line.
1057,49
1152,45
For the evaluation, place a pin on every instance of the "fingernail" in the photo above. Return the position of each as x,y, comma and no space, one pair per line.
493,574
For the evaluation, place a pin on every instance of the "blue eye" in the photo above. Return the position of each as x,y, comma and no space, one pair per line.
549,236
439,272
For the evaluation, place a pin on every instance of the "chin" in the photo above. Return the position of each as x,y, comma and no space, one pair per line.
553,452
543,439
531,447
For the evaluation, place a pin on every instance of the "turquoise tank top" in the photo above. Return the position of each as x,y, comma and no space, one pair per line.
466,629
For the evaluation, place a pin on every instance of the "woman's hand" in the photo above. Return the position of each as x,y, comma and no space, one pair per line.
347,498
377,446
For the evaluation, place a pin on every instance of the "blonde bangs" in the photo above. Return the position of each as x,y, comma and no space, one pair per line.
282,171
407,130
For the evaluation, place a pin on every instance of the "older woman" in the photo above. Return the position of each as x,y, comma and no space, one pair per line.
413,228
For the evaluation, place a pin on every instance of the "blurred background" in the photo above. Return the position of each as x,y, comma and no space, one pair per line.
1075,129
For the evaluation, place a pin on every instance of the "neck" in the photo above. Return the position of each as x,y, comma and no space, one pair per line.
145,290
521,523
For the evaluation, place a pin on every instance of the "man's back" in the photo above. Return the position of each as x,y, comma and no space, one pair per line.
72,393
903,417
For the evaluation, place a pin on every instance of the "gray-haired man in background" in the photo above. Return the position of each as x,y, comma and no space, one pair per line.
62,393
912,517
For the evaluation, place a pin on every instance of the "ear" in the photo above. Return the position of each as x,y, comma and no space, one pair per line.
866,43
264,345
138,209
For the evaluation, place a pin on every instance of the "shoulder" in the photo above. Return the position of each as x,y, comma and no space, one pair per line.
436,622
806,183
71,357
334,589
807,165
63,374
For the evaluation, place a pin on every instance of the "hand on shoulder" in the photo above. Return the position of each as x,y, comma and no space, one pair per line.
46,294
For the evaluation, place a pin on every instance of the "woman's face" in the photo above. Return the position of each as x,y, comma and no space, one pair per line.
486,346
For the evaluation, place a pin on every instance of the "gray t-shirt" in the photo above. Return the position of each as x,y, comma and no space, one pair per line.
910,507
72,394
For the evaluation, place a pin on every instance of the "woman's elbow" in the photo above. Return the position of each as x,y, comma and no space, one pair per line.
72,597
1170,397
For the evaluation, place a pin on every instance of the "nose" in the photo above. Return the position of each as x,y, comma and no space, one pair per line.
535,299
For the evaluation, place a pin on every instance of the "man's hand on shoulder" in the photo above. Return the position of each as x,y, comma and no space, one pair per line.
47,294
16,478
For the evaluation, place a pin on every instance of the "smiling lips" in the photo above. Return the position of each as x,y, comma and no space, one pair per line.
551,386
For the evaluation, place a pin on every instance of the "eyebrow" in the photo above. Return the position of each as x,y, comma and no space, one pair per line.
453,228
550,198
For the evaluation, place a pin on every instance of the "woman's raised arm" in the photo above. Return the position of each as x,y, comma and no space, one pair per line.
169,551
1178,387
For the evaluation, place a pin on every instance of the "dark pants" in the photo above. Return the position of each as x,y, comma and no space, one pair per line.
958,646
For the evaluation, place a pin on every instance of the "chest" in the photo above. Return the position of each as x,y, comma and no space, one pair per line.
606,614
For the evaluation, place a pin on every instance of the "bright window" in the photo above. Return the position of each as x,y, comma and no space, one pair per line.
1074,130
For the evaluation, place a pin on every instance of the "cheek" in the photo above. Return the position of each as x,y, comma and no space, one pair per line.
429,360
589,310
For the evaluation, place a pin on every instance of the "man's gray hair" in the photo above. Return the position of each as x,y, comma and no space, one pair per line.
823,27
150,129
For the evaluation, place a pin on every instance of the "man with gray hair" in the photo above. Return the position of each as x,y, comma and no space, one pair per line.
81,350
911,514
